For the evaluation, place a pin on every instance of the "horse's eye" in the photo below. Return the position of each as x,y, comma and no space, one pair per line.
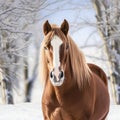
46,48
47,61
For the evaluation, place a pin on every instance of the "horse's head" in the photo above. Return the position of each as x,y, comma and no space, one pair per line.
55,49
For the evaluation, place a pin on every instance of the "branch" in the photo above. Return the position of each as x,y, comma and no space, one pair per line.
7,11
17,32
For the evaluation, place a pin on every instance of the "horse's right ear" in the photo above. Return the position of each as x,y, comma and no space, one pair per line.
46,27
64,27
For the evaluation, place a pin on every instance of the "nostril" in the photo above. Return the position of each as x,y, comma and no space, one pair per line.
51,74
61,74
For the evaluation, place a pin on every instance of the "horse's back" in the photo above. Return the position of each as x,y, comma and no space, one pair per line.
99,72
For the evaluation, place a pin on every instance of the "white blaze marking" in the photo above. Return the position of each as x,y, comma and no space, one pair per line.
56,42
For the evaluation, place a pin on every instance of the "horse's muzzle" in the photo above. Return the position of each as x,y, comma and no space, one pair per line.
57,77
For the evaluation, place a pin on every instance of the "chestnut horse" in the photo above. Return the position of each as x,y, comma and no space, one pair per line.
74,90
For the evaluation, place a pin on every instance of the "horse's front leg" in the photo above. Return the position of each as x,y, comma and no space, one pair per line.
60,114
56,114
51,112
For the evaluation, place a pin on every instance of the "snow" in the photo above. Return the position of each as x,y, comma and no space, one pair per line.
33,111
114,113
22,111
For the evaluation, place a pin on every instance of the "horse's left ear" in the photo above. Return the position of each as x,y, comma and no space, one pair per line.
46,27
64,27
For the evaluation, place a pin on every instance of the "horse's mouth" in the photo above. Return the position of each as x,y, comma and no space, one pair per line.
56,82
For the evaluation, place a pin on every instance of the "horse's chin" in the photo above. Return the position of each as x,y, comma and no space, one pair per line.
57,83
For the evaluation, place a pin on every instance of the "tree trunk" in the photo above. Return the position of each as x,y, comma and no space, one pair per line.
108,21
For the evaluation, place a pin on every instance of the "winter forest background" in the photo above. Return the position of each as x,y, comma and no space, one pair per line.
94,25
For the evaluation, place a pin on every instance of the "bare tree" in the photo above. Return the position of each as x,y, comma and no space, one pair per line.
108,21
15,16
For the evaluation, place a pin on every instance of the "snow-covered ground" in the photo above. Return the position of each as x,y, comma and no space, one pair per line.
22,111
32,111
114,113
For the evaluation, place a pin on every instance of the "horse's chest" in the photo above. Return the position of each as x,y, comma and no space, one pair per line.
70,101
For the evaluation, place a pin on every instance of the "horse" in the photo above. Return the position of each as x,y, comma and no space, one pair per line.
73,88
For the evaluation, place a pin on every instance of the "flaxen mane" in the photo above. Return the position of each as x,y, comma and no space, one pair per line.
81,71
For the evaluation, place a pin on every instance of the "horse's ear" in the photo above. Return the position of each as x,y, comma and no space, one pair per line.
64,27
46,27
